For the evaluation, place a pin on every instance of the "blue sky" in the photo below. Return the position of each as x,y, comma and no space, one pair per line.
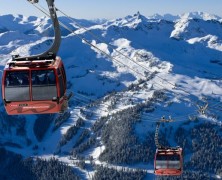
91,9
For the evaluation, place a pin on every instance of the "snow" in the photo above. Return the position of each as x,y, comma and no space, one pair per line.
97,151
191,15
122,43
200,15
210,41
185,51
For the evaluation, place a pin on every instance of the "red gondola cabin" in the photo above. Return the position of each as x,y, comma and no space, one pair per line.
36,84
36,88
168,162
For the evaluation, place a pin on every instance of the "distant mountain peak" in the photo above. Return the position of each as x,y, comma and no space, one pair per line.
141,17
130,21
199,15
189,15
196,25
167,17
138,13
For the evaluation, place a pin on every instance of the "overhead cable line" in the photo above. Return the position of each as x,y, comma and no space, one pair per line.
113,58
101,51
113,48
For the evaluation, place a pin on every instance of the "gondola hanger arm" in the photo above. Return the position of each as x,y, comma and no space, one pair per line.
52,51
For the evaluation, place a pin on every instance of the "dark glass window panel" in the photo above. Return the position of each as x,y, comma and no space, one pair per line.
17,86
174,157
17,78
61,84
43,85
161,157
43,77
64,73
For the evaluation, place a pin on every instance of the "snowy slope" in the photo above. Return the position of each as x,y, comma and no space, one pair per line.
167,54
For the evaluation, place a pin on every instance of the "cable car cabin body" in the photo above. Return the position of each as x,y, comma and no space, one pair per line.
168,162
34,87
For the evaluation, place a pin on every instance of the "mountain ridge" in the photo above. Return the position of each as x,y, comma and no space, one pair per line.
175,70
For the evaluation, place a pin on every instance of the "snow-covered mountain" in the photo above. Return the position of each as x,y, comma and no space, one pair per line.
160,66
190,15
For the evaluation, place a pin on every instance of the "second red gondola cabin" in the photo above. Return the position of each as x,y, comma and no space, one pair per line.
168,162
